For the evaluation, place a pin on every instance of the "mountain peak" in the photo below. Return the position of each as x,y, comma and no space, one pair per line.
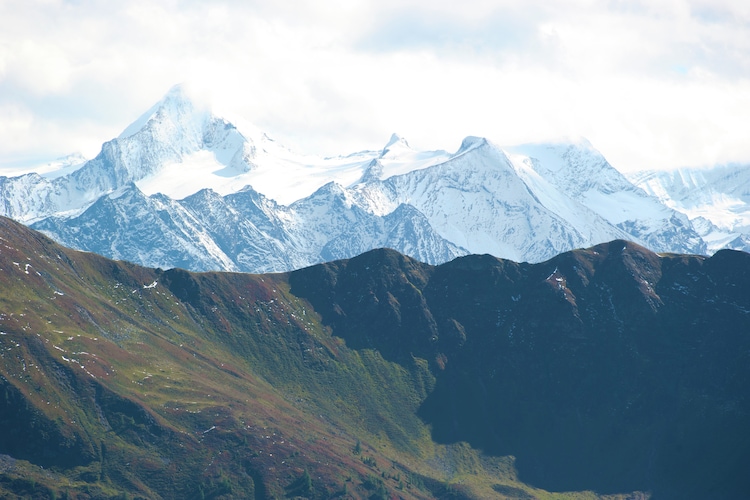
395,144
395,138
373,171
471,142
178,91
179,105
575,160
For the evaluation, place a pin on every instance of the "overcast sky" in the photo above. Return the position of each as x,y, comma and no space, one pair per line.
652,84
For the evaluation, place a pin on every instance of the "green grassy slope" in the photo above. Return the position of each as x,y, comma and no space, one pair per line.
118,381
610,369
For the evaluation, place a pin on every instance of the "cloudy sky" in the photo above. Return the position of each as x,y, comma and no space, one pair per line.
652,84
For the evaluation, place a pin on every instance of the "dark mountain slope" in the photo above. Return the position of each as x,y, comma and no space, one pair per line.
120,380
610,368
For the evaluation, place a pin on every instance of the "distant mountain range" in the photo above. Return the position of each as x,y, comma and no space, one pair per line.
717,200
610,369
183,187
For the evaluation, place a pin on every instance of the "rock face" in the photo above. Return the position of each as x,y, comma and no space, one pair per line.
266,209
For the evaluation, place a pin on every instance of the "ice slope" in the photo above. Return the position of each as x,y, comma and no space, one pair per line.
720,194
580,172
716,199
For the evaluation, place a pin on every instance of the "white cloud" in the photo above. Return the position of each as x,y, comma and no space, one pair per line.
651,84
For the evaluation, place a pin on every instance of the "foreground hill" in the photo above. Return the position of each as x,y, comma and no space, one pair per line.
611,369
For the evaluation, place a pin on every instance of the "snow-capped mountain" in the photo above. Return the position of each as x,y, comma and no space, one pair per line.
582,173
183,187
717,201
531,202
243,231
170,132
